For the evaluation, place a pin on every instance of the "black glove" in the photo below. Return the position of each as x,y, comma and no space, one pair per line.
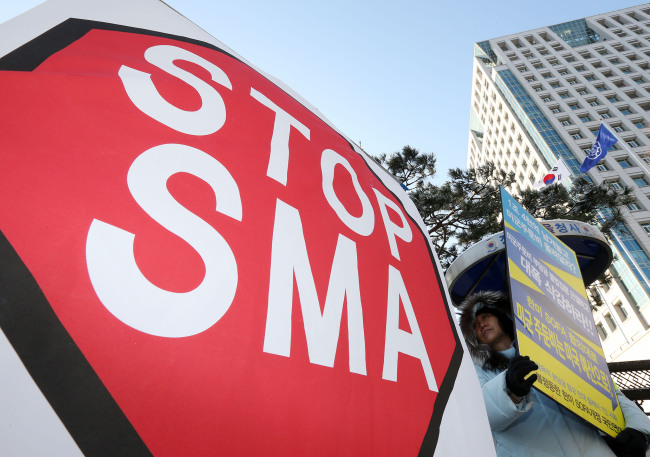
518,368
629,443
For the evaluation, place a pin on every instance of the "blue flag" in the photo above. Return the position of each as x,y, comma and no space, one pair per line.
604,141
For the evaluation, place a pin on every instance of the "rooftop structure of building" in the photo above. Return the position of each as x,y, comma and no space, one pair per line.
541,95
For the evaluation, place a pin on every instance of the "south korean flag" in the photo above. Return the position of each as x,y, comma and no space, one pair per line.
558,173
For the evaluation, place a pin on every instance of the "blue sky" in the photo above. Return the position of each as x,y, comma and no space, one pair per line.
385,73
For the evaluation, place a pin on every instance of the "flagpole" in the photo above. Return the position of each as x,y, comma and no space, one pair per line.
630,153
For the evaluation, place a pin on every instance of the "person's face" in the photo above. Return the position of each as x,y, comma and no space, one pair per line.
488,331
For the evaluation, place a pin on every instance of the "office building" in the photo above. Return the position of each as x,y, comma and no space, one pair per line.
540,95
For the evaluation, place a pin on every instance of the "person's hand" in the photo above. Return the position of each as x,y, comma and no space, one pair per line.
630,443
518,368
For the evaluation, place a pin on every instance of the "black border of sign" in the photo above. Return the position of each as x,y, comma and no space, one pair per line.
62,373
89,412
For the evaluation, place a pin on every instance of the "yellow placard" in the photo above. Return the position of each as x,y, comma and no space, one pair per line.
568,389
554,323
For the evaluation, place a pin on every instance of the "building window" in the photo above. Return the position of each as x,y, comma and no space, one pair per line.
577,136
601,331
585,118
555,85
610,322
625,111
564,95
573,83
605,115
624,163
633,144
602,167
618,128
546,99
601,88
556,110
646,227
633,206
590,78
639,124
612,98
594,103
582,92
575,106
565,123
640,181
616,185
622,314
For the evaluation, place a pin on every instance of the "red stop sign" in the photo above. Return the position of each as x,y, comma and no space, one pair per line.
199,265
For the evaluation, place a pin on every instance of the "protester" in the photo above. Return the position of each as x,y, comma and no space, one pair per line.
525,422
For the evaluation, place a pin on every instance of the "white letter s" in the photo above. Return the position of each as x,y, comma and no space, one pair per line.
114,274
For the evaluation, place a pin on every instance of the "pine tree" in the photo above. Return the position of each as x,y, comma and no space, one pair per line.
467,207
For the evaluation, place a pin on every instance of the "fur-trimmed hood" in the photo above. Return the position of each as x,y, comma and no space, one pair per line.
482,354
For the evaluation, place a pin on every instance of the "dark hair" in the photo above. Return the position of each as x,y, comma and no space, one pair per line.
505,322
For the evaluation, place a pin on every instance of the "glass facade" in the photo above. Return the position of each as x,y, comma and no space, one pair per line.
576,33
552,146
638,257
638,298
484,51
475,124
629,254
533,120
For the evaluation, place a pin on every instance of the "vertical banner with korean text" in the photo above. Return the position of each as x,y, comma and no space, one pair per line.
553,320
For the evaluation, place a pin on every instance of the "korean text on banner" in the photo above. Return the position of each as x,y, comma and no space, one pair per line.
554,322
